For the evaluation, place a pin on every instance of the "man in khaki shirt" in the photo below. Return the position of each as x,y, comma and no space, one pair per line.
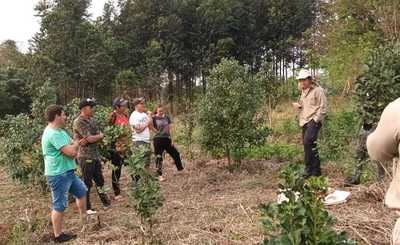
384,146
312,108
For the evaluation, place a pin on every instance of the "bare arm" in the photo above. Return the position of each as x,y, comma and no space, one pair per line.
70,150
151,125
140,128
95,138
383,143
82,132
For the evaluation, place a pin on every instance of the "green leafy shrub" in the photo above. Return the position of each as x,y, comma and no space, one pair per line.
302,218
288,127
115,134
227,111
379,82
186,129
338,135
14,94
101,115
144,195
21,152
71,111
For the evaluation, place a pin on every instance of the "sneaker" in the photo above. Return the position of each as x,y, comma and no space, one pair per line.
183,166
105,200
64,238
90,212
352,182
161,178
106,205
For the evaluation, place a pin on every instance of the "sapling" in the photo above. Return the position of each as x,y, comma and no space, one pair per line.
302,218
144,194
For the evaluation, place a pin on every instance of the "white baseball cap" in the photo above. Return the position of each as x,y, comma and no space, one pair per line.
303,74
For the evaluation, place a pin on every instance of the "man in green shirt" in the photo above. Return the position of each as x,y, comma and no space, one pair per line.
59,152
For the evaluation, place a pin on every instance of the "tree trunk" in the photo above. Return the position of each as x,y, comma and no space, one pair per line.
269,111
286,71
294,62
171,91
204,83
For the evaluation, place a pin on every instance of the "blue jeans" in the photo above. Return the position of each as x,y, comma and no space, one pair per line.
61,184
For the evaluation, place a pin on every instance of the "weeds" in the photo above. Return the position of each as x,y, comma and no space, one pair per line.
279,152
338,134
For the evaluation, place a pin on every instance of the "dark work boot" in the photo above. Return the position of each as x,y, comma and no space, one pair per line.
355,180
64,238
105,200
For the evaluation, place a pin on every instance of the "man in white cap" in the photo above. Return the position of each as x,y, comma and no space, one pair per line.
312,108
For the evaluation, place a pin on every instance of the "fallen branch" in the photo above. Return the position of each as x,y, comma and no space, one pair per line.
244,210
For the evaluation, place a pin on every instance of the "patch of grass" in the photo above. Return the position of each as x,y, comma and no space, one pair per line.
287,127
126,221
237,236
235,166
338,136
18,234
213,178
371,172
278,151
252,183
22,231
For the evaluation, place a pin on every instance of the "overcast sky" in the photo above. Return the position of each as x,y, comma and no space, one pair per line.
17,20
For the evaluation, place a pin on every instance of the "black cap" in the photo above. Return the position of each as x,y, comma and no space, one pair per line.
119,102
87,102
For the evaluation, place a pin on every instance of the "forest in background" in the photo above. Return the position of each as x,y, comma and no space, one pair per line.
197,57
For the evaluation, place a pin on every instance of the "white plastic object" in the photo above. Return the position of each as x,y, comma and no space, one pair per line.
337,197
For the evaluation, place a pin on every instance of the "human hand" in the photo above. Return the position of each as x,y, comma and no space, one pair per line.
296,105
83,141
75,142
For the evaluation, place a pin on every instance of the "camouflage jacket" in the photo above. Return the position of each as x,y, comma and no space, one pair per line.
84,127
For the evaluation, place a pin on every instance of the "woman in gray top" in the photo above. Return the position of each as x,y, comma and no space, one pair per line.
162,141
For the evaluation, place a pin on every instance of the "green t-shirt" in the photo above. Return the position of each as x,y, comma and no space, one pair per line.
55,162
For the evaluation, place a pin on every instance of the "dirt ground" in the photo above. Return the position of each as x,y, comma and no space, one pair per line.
205,204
